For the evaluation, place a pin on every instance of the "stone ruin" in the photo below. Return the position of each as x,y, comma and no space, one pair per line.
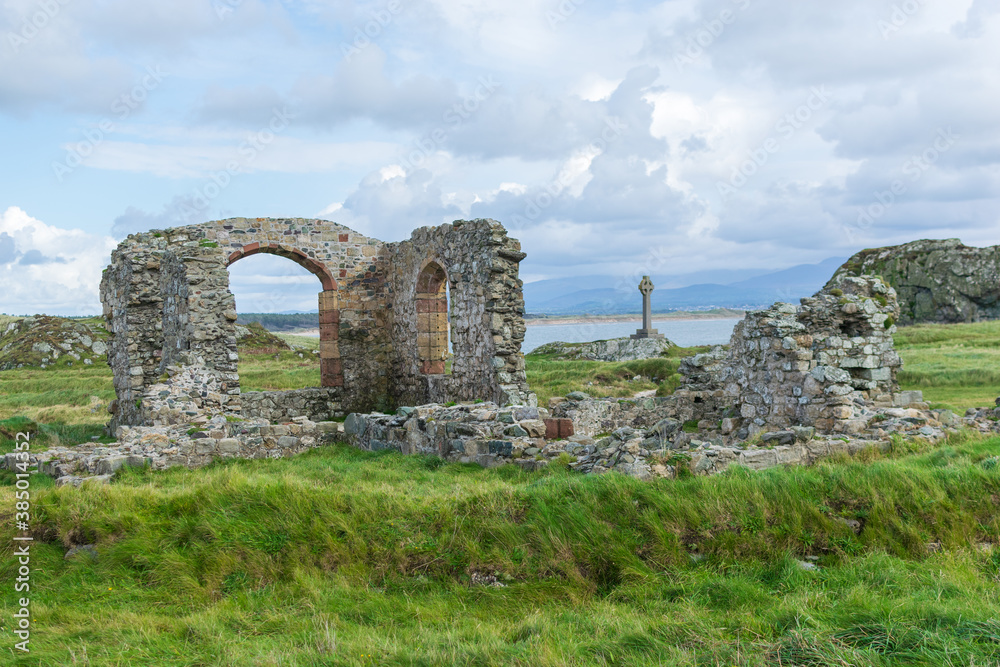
807,365
823,365
386,311
797,382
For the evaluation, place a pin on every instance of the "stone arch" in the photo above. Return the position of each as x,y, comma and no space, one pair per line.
331,368
432,317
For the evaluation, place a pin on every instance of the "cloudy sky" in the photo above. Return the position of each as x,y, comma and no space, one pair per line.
672,136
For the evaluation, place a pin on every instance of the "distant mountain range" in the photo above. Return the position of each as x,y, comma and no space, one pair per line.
744,289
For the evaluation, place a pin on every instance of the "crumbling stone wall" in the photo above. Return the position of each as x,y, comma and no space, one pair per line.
318,404
167,302
803,365
823,364
486,308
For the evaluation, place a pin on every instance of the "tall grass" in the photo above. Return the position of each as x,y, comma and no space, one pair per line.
353,558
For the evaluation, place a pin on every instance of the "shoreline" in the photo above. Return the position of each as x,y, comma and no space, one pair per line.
681,316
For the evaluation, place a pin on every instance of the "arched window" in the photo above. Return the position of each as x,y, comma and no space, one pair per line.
432,319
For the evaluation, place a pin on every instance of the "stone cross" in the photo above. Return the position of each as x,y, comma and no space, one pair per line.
647,331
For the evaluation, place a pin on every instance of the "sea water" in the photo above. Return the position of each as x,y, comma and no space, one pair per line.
683,332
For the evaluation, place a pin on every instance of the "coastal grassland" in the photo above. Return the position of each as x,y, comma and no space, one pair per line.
549,375
61,406
268,367
68,405
957,366
343,557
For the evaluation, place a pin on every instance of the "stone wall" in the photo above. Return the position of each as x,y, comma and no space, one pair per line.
318,404
167,302
802,365
814,365
486,308
489,435
937,281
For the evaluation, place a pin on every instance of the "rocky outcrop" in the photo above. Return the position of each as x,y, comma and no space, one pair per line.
43,342
936,281
614,349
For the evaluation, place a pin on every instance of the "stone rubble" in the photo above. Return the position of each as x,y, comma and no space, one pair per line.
491,435
614,349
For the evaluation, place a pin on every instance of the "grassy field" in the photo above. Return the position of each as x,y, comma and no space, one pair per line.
550,376
957,366
341,557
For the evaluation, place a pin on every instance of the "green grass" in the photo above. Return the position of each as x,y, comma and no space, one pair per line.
6,320
957,366
278,371
77,395
550,376
303,342
341,557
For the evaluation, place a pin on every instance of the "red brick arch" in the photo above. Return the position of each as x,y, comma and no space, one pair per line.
331,369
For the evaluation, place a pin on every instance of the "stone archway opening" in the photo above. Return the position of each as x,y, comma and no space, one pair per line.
331,370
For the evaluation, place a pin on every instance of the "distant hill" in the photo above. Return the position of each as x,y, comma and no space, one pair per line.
281,321
599,294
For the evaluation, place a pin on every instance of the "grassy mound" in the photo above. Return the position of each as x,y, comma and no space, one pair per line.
255,339
59,342
343,557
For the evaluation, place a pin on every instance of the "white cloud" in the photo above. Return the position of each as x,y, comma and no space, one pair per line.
283,154
47,269
271,284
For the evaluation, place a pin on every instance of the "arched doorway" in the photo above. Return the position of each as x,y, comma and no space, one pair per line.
331,370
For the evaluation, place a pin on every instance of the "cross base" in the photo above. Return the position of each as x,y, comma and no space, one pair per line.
647,333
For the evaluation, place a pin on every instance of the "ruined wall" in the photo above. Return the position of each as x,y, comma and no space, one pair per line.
486,307
805,365
318,404
167,301
133,305
827,364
